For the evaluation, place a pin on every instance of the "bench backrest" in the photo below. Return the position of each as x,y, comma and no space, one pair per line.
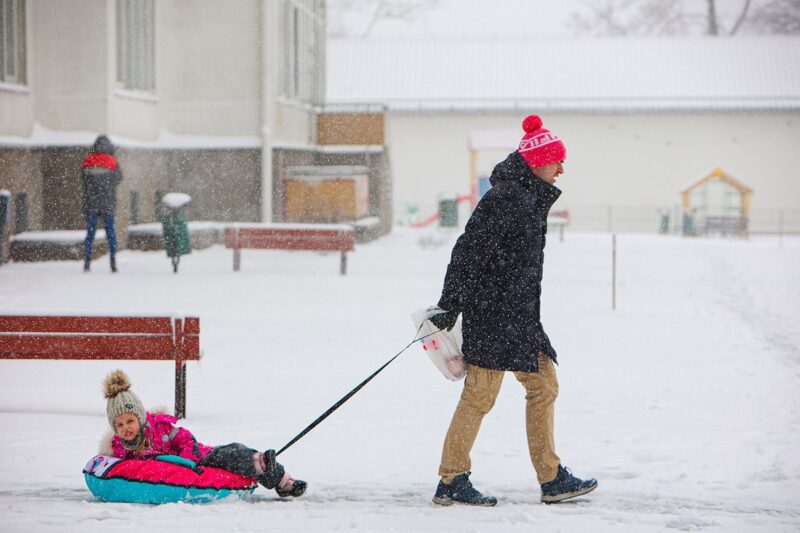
99,337
341,239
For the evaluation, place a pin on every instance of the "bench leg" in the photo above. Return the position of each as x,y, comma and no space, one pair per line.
180,389
237,259
343,264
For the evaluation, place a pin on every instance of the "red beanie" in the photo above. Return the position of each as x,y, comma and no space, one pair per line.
538,146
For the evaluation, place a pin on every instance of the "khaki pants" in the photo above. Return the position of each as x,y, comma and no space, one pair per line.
481,387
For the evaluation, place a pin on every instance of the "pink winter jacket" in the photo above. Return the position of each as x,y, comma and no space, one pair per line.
163,438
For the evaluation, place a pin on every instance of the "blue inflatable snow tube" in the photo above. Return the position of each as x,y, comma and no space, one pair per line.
167,479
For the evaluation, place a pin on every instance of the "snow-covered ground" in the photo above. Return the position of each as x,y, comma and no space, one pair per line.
683,402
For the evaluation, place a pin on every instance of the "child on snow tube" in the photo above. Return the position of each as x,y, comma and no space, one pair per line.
142,435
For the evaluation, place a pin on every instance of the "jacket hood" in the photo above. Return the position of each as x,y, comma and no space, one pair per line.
515,169
103,145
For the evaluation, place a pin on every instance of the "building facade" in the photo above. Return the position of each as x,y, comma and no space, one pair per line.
641,118
200,96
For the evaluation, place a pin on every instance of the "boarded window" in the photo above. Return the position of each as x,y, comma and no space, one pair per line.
12,41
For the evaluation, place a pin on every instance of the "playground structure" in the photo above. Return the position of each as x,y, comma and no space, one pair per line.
483,140
478,141
716,204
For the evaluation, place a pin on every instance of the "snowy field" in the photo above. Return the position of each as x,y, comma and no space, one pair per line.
683,402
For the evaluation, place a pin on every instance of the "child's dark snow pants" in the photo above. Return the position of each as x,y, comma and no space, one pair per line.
238,458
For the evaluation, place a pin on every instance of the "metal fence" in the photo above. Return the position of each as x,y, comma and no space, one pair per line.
614,218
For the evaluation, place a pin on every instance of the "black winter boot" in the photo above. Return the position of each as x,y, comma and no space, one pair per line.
566,486
87,264
461,491
113,264
296,490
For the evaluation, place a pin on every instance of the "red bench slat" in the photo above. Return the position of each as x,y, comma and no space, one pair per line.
85,324
191,348
191,325
290,239
87,347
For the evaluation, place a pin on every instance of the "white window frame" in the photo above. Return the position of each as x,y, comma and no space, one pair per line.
13,46
136,44
303,57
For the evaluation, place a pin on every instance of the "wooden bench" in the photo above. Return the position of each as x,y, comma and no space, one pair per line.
160,338
317,237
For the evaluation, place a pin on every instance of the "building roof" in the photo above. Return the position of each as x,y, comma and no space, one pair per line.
721,175
722,73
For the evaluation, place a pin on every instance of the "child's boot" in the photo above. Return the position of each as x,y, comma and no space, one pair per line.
87,264
273,471
113,264
291,487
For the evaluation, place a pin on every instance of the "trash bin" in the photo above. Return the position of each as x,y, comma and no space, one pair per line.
663,226
176,230
688,225
448,213
5,219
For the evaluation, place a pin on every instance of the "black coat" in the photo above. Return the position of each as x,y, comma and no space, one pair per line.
495,272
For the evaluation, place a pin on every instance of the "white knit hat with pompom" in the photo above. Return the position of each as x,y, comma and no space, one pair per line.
120,398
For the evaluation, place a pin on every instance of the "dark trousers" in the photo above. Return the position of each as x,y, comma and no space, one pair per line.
91,229
238,458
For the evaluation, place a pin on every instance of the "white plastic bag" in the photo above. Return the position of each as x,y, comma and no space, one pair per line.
443,347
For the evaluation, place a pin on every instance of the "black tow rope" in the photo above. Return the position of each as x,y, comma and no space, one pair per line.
350,394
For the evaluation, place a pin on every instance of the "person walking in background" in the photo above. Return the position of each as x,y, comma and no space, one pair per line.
101,176
494,279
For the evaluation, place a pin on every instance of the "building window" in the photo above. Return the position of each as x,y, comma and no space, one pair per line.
157,205
20,212
135,207
303,42
12,41
136,44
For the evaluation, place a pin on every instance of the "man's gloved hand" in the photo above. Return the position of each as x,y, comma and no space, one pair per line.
445,320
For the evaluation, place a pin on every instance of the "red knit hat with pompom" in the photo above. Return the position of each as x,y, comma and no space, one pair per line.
539,147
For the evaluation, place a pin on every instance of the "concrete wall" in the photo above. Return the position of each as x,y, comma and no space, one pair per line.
209,55
20,172
16,111
70,55
613,159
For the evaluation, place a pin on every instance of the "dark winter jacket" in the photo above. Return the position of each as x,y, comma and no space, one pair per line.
495,272
101,175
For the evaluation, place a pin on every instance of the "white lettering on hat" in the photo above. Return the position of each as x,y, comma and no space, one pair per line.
535,142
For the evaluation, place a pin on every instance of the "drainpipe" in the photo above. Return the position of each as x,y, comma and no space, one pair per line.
266,109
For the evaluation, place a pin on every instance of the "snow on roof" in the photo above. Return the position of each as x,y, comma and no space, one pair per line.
43,136
571,75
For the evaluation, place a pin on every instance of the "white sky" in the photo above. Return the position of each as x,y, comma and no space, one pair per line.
482,19
474,18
